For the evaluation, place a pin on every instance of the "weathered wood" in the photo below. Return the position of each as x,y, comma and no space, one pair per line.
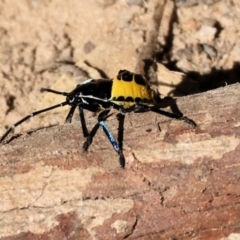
178,183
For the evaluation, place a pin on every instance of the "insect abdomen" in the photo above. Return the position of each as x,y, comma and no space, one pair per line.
130,88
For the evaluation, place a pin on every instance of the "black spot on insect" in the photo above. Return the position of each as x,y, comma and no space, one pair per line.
140,80
121,71
119,76
114,98
121,98
127,76
138,99
129,99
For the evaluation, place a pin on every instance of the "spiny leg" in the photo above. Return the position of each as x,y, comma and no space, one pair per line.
29,116
101,120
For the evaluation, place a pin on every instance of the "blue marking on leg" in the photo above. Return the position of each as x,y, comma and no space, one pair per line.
110,136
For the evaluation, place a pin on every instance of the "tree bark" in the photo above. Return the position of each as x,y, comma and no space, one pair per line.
178,183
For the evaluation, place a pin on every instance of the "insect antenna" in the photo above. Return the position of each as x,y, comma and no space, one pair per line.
37,112
53,91
32,115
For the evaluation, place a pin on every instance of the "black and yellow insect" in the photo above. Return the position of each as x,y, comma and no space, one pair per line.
126,92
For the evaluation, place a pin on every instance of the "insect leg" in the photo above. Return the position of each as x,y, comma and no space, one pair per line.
70,114
121,118
91,135
29,116
82,118
101,120
83,122
89,139
178,116
86,134
85,131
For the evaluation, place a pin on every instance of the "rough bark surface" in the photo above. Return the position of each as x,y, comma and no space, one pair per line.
178,183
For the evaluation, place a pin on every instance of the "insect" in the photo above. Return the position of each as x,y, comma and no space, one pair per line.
126,92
